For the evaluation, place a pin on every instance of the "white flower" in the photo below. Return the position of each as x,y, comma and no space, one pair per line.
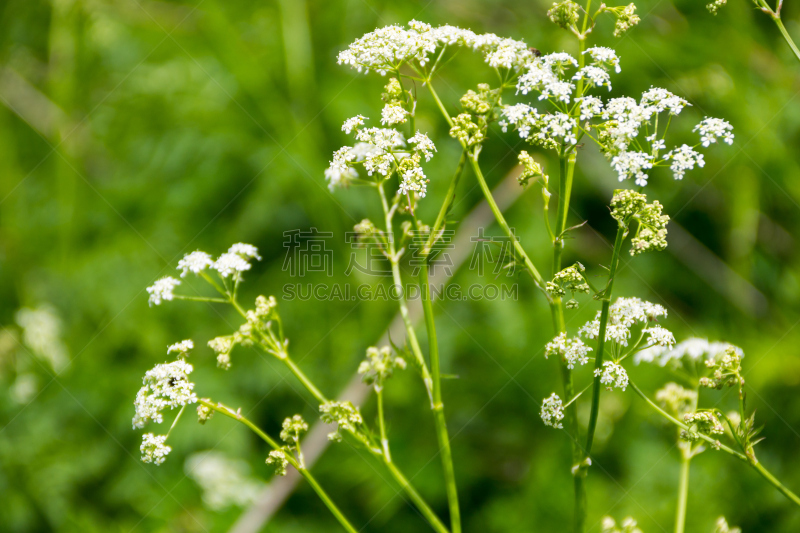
384,138
339,173
590,330
560,90
41,333
558,125
225,482
632,164
423,145
535,78
659,336
652,311
231,264
247,251
612,375
603,57
338,178
497,51
353,123
165,386
162,289
153,448
625,109
623,314
414,180
524,117
571,350
387,49
692,349
556,346
629,117
559,61
618,333
393,114
194,262
656,144
182,347
596,76
628,311
661,99
684,158
628,525
507,53
373,149
712,129
591,106
552,412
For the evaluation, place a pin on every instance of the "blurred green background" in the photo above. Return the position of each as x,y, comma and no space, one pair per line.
133,131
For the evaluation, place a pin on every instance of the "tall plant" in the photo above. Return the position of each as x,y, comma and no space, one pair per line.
565,110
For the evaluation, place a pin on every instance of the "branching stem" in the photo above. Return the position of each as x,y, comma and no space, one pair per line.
230,413
717,445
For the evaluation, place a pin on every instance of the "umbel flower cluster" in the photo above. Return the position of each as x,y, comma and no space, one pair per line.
381,151
630,132
387,49
166,386
229,266
626,316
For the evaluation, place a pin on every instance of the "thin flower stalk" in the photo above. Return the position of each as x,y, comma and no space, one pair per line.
397,279
774,14
438,405
236,415
683,493
275,345
622,231
687,453
771,479
432,382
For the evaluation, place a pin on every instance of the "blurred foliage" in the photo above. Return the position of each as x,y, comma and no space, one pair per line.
133,131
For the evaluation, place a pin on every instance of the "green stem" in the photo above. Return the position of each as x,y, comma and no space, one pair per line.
556,307
752,462
304,380
774,481
200,299
401,299
622,231
566,168
566,171
585,25
285,359
303,472
448,201
423,507
683,483
382,425
786,36
571,408
214,284
418,501
487,193
683,492
438,406
501,221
